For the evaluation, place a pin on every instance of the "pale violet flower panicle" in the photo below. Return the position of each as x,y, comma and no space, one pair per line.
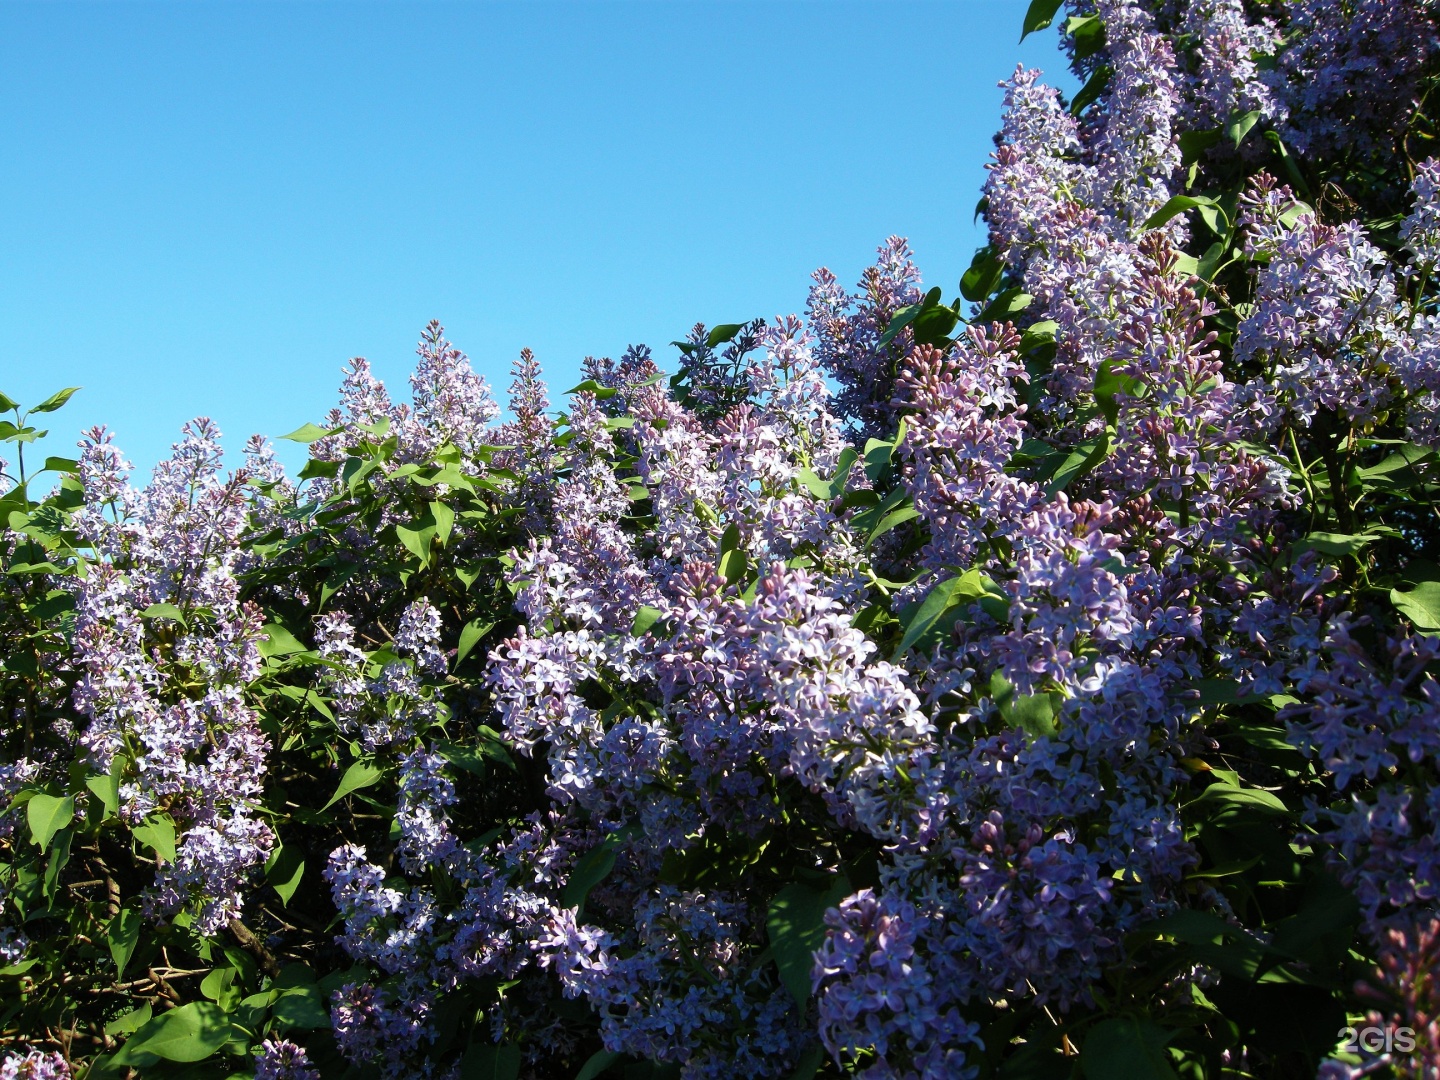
34,1065
452,403
1420,231
848,327
1228,46
281,1059
418,636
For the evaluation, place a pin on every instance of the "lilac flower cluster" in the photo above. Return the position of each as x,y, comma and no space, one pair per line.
35,1065
166,651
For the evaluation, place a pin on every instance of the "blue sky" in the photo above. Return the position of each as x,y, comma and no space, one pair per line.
207,208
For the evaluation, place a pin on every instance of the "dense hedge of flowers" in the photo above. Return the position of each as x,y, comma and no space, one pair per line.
1040,684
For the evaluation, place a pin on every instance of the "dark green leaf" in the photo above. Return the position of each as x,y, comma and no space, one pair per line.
190,1033
301,1008
984,276
158,832
124,933
1128,1047
1080,461
1335,543
940,609
284,869
279,641
1039,16
1240,125
486,1061
795,922
8,403
1089,34
596,1064
591,869
470,636
1177,205
361,774
1088,94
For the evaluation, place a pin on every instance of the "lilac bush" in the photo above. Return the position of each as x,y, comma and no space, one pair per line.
1039,683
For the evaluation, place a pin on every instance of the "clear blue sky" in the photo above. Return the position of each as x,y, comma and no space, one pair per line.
207,208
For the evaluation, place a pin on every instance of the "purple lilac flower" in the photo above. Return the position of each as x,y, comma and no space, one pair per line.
1228,79
34,1065
1351,74
281,1059
848,328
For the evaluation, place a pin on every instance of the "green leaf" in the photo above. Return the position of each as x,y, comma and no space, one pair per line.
1421,605
1088,94
1039,16
1241,125
1108,385
361,774
7,403
902,318
1010,302
486,1061
645,618
1032,713
308,434
813,484
55,400
106,788
123,1025
60,465
124,934
808,1064
1335,543
733,563
190,1033
159,833
795,922
1088,32
416,541
302,1007
1080,461
596,1064
891,520
1178,204
723,333
284,869
164,611
1129,1047
470,636
942,605
985,274
591,869
279,641
47,815
444,520
594,389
